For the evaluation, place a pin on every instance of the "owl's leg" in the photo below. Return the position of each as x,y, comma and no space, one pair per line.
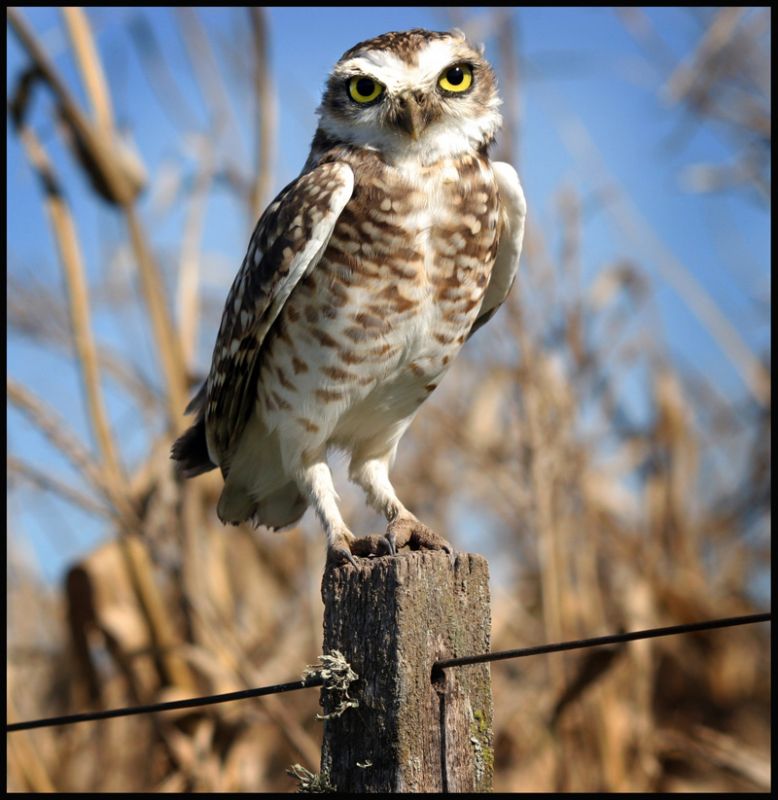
403,528
316,483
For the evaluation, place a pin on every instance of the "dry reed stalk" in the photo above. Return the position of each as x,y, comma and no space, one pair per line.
188,294
117,181
130,554
136,562
138,567
223,121
301,742
218,641
166,340
90,67
510,142
725,79
24,755
66,240
265,110
208,77
161,80
713,42
109,171
716,749
633,223
200,568
57,432
543,471
33,311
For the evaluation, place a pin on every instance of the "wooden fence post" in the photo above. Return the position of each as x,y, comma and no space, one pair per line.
392,618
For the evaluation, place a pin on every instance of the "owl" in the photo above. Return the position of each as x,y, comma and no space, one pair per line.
362,280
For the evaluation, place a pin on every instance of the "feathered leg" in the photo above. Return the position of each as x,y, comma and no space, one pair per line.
403,528
316,483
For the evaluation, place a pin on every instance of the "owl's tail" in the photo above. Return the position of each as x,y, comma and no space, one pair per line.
279,509
274,500
190,450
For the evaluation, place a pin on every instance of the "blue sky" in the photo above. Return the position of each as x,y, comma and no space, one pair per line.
577,64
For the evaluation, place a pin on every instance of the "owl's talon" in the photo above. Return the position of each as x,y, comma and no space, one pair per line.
338,556
344,549
409,531
372,545
390,539
339,549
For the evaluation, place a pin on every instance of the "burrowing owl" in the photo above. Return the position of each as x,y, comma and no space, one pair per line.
362,281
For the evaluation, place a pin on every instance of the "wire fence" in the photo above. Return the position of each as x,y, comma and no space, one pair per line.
318,680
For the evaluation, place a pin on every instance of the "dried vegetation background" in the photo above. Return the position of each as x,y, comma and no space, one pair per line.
595,518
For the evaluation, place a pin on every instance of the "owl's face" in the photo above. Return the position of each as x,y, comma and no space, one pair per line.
412,94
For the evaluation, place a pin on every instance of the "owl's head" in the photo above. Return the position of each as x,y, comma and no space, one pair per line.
412,93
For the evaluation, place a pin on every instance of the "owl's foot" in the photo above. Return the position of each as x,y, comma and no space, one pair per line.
407,530
343,547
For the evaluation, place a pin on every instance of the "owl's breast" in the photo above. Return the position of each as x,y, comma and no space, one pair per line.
415,246
372,328
461,246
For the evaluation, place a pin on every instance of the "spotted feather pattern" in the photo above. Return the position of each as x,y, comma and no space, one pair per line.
286,245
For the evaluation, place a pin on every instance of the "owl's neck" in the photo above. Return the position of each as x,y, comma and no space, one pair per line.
431,148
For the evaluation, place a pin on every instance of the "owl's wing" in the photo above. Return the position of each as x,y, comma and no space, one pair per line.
514,210
286,245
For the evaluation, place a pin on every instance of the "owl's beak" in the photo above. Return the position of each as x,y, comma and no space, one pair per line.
410,117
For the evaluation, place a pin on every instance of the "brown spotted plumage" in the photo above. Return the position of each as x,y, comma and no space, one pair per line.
362,281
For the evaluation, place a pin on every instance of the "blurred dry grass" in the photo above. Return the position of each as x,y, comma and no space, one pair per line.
606,520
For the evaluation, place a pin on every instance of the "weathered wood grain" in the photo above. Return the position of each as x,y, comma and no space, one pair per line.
392,618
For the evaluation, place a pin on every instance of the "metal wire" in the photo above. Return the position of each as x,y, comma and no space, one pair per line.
192,702
307,683
615,638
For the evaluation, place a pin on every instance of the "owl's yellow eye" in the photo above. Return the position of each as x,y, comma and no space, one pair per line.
364,90
458,78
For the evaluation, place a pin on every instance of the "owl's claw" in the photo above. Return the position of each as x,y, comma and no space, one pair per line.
373,545
409,531
401,532
342,549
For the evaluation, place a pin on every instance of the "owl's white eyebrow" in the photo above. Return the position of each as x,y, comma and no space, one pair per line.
375,60
440,55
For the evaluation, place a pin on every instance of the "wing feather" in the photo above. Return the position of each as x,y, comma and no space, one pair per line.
506,264
287,243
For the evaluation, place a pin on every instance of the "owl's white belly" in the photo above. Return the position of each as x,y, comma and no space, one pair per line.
363,394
